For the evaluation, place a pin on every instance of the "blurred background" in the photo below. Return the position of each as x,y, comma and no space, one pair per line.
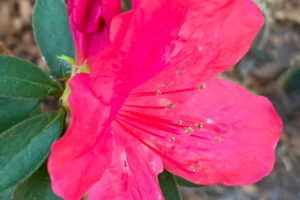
271,68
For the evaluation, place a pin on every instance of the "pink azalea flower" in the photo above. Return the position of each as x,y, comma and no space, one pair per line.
152,100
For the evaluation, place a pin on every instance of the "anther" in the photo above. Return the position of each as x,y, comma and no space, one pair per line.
202,86
188,130
158,92
173,139
169,106
192,169
218,139
199,125
179,122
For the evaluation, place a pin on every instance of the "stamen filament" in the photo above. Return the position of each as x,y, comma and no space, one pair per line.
147,107
154,118
163,125
167,158
150,123
142,129
155,93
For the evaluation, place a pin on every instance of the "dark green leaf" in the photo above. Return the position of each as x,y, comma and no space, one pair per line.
52,33
26,145
37,186
183,182
21,79
35,111
14,110
7,194
169,186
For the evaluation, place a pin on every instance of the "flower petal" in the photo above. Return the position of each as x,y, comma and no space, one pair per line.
79,158
90,22
220,134
136,3
132,174
202,38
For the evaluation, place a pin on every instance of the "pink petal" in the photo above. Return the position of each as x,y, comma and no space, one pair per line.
136,3
202,38
90,22
78,159
221,134
132,174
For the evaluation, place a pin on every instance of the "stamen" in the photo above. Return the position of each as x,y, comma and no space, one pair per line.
158,92
153,118
150,123
142,129
173,139
193,169
167,158
160,124
146,107
188,130
202,86
169,106
218,139
199,125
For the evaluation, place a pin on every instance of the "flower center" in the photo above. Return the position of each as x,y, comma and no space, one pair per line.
160,123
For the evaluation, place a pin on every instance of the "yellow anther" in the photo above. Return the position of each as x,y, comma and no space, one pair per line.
188,130
169,106
173,139
218,139
199,125
158,92
179,122
193,169
202,86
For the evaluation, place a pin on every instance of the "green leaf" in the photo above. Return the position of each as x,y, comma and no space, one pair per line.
186,183
35,111
21,79
26,145
52,33
7,194
169,186
14,110
37,186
